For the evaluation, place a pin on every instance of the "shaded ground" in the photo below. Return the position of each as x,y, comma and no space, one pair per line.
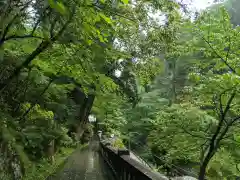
84,164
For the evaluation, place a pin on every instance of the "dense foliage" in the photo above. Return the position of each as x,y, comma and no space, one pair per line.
56,57
164,80
187,117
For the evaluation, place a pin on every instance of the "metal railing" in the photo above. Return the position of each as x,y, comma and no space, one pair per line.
126,168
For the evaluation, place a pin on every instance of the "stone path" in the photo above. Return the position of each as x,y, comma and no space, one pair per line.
84,165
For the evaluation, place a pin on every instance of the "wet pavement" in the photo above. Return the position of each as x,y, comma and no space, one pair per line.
84,164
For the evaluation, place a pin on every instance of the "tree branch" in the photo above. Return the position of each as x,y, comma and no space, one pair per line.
204,148
220,135
5,11
22,37
31,35
220,104
237,168
4,33
53,24
216,108
235,119
113,12
43,14
220,108
42,47
229,103
219,56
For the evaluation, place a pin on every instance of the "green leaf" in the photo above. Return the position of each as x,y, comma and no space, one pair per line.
100,37
105,18
125,1
58,6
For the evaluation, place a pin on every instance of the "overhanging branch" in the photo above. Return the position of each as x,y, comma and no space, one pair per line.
5,31
22,37
219,56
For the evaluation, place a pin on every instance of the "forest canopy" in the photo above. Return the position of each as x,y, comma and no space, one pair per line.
160,77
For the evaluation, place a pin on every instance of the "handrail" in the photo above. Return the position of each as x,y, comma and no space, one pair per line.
126,168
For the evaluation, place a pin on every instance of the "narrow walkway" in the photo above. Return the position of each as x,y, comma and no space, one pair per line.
84,165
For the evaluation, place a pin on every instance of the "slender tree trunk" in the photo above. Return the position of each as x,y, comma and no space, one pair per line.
83,115
51,151
202,172
174,94
213,146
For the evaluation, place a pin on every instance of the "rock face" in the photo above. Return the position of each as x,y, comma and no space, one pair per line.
184,178
15,172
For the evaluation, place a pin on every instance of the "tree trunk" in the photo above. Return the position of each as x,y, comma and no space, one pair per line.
203,167
51,151
174,94
83,115
79,131
202,171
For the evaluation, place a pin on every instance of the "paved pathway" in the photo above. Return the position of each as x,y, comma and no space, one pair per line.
84,165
